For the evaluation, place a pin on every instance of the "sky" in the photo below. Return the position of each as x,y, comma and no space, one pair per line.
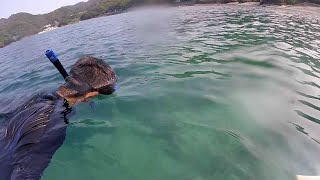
8,7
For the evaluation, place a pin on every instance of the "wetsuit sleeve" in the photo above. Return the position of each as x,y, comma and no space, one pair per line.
33,136
33,159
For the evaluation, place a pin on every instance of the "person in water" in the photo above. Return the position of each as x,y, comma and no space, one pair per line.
31,134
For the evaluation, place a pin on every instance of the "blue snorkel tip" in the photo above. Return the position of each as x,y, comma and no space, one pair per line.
55,61
51,56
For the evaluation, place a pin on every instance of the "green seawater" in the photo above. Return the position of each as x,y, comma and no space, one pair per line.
205,92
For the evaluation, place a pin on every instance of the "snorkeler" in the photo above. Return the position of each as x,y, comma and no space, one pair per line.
32,133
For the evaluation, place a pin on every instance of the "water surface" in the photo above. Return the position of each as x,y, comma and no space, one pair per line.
206,92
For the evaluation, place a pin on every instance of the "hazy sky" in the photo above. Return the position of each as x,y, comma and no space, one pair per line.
8,7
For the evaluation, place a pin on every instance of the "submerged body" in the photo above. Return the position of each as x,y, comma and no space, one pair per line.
30,136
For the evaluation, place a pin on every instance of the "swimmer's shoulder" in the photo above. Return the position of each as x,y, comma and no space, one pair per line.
36,98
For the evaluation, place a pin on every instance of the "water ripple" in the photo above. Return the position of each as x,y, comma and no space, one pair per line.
206,92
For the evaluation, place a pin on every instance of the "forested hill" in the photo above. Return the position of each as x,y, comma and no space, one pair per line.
21,25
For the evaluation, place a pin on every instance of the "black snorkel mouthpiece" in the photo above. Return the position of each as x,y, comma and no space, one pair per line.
55,61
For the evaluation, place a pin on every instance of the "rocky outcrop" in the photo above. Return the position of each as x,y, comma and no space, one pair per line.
290,2
276,2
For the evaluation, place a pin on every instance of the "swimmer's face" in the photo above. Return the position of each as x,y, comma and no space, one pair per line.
85,98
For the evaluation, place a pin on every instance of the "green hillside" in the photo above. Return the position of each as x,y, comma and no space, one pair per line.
21,25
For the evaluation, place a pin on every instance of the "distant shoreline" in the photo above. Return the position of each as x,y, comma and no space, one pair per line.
307,7
51,28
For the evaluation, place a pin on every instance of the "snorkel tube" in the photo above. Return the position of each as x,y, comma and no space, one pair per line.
55,61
